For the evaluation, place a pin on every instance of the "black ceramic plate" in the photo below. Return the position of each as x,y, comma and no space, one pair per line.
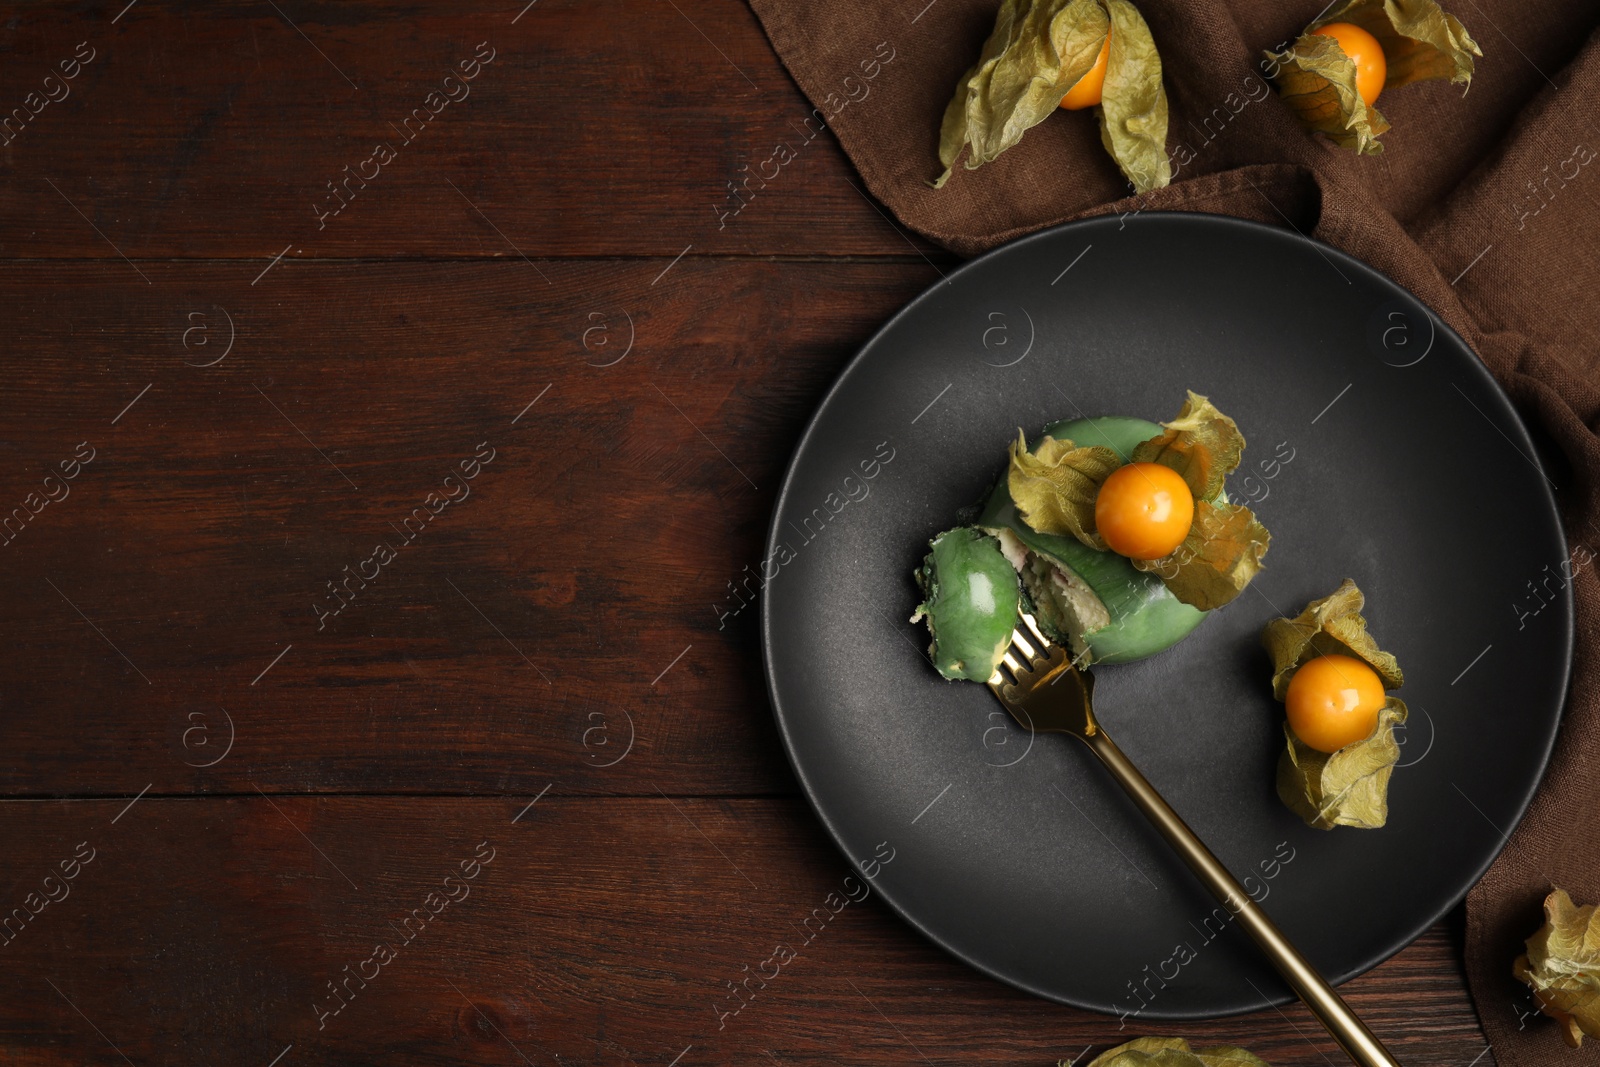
1380,449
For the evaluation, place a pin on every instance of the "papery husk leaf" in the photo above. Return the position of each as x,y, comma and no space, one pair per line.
1318,82
1174,1052
1133,104
1037,51
1202,444
1420,40
1217,560
1562,967
1332,625
953,128
1055,485
1349,787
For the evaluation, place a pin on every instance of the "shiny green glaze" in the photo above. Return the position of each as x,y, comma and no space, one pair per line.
1119,433
1145,617
972,596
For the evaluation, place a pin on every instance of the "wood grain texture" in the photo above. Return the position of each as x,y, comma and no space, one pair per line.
602,931
601,127
549,601
608,128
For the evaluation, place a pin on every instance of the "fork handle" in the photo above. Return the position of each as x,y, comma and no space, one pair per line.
1350,1032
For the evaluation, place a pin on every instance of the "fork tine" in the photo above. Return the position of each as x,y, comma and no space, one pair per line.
1005,672
1010,660
1020,643
1033,627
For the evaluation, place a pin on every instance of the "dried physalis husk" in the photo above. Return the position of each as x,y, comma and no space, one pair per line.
1037,51
1318,81
1349,787
1217,560
1331,626
1420,42
1133,104
1202,444
1562,967
1055,487
1226,543
1174,1052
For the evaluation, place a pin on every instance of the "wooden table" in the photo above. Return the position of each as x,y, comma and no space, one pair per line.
377,445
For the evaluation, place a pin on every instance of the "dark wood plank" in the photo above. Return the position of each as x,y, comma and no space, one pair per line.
600,128
609,128
574,589
603,931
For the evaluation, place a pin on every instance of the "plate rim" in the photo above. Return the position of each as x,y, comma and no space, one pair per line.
1291,236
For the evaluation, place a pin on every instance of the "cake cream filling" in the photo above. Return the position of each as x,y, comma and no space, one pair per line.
1063,602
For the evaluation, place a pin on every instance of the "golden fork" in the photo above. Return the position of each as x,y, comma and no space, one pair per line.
1045,692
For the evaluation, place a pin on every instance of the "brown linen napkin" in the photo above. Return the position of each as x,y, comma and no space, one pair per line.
1486,206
